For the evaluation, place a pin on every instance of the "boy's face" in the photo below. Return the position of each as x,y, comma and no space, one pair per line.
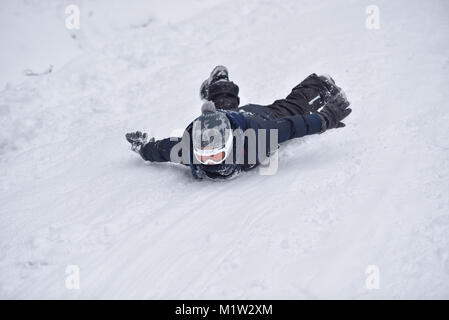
212,159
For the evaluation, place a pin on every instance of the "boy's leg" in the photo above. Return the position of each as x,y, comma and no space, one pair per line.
218,89
224,95
308,96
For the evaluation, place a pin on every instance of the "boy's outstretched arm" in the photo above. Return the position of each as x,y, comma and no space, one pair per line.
335,110
290,127
151,150
159,151
330,117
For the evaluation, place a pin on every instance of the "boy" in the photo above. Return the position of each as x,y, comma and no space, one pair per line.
212,145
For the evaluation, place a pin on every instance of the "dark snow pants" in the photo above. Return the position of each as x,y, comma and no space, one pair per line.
306,97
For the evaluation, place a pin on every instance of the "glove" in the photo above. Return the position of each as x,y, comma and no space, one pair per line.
335,110
137,140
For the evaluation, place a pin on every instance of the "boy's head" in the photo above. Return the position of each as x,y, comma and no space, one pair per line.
212,135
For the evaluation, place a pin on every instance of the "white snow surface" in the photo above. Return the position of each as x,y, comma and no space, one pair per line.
72,192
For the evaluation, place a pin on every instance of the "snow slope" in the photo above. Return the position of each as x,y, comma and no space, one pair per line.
373,193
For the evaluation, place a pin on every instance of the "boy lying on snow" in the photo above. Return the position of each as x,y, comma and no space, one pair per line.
226,140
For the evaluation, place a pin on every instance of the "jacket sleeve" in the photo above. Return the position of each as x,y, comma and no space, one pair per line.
291,127
159,151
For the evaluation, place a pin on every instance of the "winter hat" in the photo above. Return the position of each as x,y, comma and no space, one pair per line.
212,135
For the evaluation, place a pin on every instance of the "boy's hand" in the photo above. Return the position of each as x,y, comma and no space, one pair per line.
137,140
335,110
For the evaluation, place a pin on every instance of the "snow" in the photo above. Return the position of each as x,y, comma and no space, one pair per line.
72,193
